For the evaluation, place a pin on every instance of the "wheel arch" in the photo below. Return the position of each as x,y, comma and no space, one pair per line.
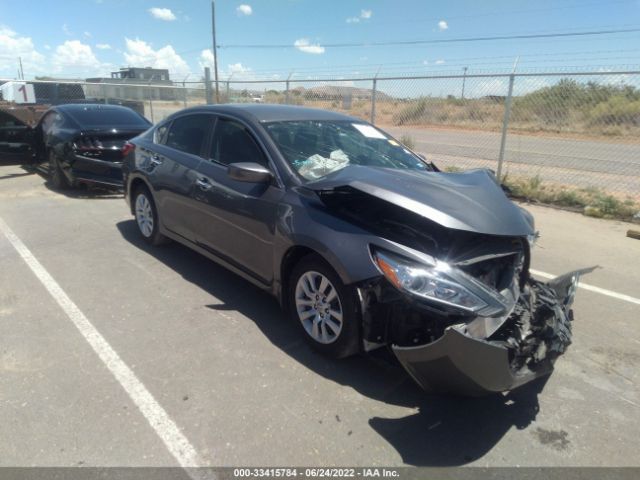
289,260
134,184
301,249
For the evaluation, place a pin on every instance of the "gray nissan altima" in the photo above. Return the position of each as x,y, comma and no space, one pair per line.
364,243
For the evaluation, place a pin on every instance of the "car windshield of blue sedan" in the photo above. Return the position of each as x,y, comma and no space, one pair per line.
317,148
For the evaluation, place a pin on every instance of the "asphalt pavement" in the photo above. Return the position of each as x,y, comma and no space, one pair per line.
92,320
608,164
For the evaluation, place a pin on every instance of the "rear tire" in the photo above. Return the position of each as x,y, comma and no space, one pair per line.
57,178
324,308
147,220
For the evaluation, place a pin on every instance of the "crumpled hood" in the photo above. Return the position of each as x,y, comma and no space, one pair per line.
470,201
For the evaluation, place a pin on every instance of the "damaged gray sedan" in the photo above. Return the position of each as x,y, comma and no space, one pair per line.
364,243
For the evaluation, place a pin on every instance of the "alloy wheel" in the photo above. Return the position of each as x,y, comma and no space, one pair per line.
319,308
144,215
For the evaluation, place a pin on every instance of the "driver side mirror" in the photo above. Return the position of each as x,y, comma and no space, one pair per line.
249,172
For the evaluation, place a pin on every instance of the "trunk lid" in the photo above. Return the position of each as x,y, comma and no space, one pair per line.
104,144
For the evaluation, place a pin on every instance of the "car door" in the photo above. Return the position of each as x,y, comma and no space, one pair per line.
170,165
237,219
16,140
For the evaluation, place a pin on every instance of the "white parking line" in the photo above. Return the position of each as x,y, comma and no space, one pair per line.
164,426
591,288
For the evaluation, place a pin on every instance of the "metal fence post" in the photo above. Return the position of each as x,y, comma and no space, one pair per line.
184,93
286,93
207,85
373,100
505,125
151,105
104,94
228,98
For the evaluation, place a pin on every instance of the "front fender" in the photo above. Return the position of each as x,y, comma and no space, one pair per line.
343,245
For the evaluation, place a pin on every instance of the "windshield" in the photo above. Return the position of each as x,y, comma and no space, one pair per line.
316,148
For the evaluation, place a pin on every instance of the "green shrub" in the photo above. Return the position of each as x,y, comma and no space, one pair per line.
617,110
412,113
593,201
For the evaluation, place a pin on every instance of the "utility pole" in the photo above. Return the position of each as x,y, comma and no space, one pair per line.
464,78
215,51
21,71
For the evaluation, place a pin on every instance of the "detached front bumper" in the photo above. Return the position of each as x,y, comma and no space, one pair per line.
457,363
523,348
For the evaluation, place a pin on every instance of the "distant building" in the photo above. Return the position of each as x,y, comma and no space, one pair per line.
142,75
134,83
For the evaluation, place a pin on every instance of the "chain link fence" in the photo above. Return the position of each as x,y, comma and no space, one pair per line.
578,129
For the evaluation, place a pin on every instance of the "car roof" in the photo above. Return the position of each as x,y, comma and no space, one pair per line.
77,107
272,113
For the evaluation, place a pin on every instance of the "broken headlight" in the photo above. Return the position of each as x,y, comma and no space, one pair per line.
432,282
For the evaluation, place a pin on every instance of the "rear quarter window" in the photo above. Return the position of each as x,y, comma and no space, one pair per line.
160,133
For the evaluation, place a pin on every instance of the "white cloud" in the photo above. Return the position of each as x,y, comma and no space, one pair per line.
244,9
162,14
103,46
440,62
443,25
206,59
47,47
238,70
73,55
87,34
303,45
13,46
140,54
66,30
364,15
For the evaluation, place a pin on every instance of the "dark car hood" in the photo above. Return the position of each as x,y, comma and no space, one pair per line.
471,201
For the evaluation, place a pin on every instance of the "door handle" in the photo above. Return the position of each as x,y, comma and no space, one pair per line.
203,184
155,160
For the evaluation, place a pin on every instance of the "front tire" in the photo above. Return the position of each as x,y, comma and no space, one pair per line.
324,308
146,214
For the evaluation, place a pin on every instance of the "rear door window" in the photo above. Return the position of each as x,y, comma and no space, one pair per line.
232,143
189,133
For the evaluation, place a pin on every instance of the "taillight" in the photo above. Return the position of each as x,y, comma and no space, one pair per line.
88,143
127,148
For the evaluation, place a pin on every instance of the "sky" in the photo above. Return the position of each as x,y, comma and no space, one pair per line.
81,39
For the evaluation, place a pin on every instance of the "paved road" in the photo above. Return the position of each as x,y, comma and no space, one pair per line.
613,166
238,382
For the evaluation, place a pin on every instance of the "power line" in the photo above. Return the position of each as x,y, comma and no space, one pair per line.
444,40
397,65
617,28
